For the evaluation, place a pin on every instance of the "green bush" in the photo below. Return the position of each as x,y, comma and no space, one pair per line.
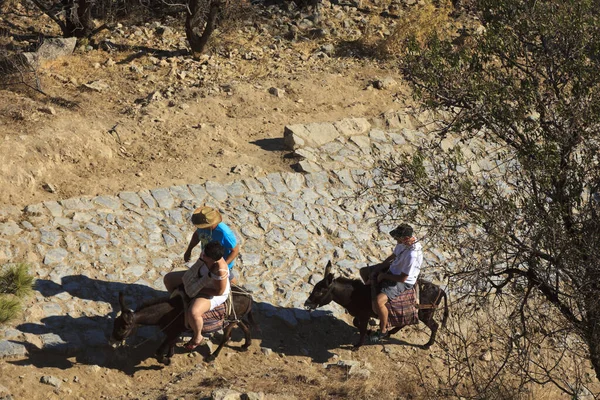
9,308
16,280
15,283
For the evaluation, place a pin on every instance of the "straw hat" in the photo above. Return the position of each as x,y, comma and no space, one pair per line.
205,216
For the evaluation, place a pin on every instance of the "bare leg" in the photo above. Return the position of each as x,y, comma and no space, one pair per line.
197,308
173,279
382,311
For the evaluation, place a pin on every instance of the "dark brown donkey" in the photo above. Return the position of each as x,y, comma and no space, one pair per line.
168,314
355,297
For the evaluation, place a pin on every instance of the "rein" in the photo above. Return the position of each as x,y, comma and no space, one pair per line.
162,330
231,311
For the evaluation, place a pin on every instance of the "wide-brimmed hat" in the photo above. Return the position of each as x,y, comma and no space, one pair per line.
206,216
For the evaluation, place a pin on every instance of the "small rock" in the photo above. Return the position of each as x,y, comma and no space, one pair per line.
386,83
486,356
96,86
50,380
277,92
48,187
225,394
48,110
266,351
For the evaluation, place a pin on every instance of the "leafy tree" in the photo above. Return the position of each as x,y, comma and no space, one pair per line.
511,183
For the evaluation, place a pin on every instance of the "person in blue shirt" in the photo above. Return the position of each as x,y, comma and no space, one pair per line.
210,227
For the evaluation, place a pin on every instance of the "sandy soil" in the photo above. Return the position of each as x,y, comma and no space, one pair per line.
108,142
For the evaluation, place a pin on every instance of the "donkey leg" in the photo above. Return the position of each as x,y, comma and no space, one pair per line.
224,339
247,336
166,350
431,324
361,324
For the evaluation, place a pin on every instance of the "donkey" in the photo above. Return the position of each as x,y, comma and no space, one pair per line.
168,313
355,297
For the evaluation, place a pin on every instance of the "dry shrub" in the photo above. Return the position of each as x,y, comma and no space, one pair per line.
421,23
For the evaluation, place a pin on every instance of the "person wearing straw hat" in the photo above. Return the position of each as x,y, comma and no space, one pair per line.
210,226
394,275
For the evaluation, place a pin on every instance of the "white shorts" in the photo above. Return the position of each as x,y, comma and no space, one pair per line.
216,301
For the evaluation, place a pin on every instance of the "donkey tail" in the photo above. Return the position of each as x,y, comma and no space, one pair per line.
445,317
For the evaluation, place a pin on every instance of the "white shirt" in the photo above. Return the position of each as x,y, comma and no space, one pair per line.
408,260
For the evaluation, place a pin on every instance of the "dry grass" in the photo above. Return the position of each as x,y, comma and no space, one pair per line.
421,23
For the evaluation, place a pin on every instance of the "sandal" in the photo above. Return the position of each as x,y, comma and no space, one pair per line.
378,337
191,345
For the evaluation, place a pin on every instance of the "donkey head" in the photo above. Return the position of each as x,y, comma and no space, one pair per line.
321,294
124,323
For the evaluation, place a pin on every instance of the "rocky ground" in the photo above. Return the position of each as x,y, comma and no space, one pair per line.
131,112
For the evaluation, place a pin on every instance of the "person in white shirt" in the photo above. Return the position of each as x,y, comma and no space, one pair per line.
395,274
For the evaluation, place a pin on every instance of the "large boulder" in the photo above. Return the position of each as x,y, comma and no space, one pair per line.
312,135
51,49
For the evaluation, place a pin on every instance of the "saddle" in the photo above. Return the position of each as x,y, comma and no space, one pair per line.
214,320
403,309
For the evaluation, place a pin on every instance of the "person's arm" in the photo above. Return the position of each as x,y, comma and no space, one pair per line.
380,267
221,276
193,243
388,261
404,268
234,253
391,277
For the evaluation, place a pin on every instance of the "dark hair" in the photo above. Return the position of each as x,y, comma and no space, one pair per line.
402,230
214,250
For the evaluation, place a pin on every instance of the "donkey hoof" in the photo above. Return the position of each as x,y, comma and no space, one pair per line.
210,358
245,347
164,360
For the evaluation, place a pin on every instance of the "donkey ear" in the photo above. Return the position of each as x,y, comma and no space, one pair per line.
328,268
122,302
329,278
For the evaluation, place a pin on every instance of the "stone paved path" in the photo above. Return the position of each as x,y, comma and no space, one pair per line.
83,251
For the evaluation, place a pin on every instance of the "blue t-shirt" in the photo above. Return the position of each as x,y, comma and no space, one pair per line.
222,234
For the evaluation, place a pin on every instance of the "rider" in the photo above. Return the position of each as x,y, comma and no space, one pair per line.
208,222
395,274
206,283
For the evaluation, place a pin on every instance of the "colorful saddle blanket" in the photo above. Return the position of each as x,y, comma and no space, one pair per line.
214,320
402,310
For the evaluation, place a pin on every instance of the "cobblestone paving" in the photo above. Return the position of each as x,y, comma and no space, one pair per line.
83,251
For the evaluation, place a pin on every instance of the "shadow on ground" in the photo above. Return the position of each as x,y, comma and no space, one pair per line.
275,144
63,340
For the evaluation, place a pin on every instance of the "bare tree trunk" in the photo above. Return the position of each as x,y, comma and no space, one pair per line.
195,20
593,333
78,21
